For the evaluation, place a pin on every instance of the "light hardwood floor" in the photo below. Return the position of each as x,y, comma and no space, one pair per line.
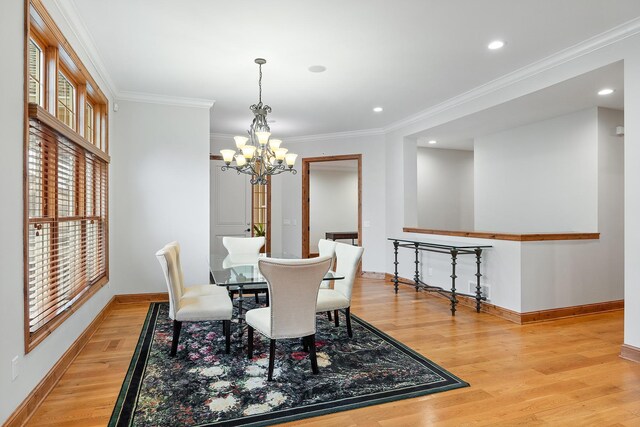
565,372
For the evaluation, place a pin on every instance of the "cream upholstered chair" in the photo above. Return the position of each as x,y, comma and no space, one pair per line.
186,307
245,248
293,286
243,245
347,257
193,290
327,248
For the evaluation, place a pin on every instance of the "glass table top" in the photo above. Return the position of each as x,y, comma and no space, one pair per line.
242,270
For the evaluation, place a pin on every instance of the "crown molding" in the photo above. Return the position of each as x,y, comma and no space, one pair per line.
69,12
152,98
609,37
336,135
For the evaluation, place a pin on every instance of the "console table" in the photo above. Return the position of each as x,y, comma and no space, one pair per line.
339,235
454,251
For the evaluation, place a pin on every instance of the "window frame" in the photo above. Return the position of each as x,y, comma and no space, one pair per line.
62,71
59,56
42,69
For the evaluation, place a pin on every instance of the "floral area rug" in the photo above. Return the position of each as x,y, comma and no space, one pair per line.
203,386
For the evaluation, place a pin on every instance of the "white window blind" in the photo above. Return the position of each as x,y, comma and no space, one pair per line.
67,223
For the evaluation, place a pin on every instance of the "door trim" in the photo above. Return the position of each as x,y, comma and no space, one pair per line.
306,162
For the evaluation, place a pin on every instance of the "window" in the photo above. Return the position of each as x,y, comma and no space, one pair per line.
88,123
36,73
66,101
260,213
66,227
67,222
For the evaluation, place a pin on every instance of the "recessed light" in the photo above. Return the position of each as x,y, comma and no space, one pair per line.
377,109
433,141
606,91
317,68
496,44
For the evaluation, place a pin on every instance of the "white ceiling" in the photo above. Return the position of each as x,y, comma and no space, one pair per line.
403,55
571,95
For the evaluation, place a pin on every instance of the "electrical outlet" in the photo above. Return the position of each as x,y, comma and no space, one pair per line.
14,368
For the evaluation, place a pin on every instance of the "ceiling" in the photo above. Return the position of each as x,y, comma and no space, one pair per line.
403,55
566,97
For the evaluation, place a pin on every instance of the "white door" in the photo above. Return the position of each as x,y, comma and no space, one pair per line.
230,205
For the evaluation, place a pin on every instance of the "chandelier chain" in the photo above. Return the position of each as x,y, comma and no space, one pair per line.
260,84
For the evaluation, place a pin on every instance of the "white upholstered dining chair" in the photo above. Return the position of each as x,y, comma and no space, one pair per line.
293,289
347,259
243,245
192,305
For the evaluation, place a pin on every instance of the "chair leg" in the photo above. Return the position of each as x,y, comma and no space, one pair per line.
312,353
250,343
176,337
329,316
348,317
305,344
256,297
266,298
272,357
335,313
226,325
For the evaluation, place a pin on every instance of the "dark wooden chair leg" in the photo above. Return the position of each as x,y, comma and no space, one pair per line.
266,298
329,316
176,337
348,317
272,357
250,342
257,298
305,344
335,314
312,353
226,325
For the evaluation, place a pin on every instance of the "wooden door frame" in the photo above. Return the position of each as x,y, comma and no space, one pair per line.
267,244
306,162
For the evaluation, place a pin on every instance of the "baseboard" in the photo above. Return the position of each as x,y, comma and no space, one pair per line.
142,298
574,311
29,405
373,275
630,352
532,316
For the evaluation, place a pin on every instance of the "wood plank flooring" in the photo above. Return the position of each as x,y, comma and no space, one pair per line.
565,372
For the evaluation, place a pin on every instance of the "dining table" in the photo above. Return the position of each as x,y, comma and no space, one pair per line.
240,273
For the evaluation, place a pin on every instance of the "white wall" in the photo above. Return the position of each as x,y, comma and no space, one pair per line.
35,365
333,202
445,189
540,177
159,193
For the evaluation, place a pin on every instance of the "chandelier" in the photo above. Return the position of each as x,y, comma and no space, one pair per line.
259,155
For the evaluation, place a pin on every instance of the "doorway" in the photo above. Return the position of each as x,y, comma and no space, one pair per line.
343,192
237,208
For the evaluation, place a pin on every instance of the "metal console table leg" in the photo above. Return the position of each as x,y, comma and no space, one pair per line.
416,278
454,300
395,266
479,297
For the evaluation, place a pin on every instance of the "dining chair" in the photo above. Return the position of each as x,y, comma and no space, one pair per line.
192,307
293,289
327,248
347,259
193,290
246,248
243,245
